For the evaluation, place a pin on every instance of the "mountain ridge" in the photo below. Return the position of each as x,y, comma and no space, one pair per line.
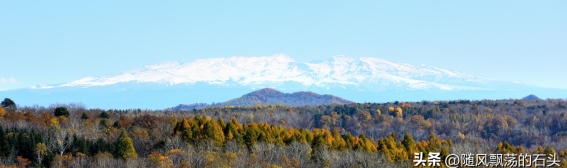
364,79
269,72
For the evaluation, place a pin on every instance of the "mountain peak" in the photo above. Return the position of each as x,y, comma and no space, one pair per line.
531,97
266,92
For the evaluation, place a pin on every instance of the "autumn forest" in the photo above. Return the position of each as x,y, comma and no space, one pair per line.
348,135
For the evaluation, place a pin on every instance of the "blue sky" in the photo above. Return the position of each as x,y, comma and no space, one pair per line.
47,42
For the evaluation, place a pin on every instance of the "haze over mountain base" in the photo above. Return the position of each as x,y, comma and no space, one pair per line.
155,96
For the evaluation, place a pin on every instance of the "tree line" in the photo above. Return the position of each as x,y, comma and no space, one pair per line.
358,134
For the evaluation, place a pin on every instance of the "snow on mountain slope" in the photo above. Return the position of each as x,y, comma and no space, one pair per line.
339,71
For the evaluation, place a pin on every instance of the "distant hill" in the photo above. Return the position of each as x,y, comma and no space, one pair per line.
190,106
272,96
531,97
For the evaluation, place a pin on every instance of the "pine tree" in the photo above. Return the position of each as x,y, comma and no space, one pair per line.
349,139
9,104
124,148
99,147
549,150
338,141
221,123
252,134
231,131
214,131
434,143
104,115
184,128
84,116
409,143
386,152
61,111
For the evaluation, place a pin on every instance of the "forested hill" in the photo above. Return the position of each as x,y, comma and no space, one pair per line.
272,96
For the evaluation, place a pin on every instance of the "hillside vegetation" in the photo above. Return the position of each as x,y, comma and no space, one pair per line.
269,96
348,135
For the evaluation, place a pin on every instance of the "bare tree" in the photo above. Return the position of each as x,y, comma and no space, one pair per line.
59,141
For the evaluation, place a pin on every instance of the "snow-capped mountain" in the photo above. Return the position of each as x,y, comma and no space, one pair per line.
363,79
340,71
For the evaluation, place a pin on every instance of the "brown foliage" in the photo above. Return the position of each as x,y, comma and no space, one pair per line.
147,121
23,162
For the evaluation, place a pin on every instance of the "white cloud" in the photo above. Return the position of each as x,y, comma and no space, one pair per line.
9,80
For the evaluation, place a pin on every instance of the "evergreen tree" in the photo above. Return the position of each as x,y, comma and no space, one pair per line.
338,141
214,131
221,123
252,134
124,148
408,143
9,104
104,115
80,145
434,143
61,111
85,116
99,147
549,151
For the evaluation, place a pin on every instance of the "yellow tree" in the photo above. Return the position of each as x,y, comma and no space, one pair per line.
338,141
399,112
40,150
159,160
2,112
